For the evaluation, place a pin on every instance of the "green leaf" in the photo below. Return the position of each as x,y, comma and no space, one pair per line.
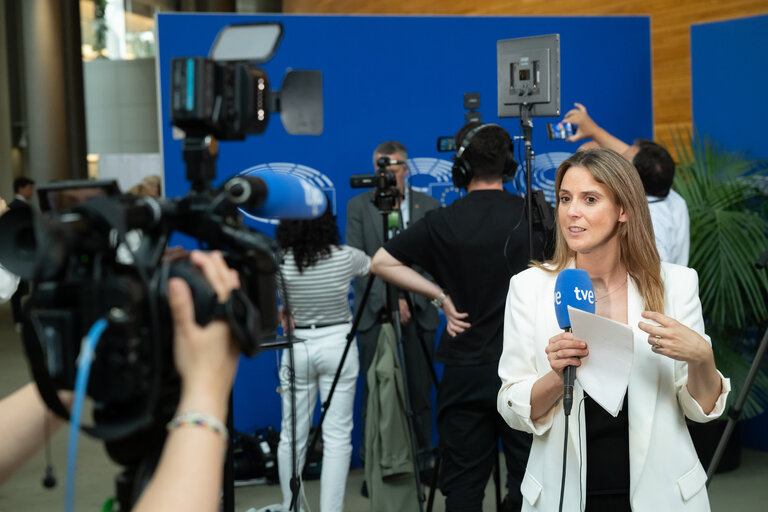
727,197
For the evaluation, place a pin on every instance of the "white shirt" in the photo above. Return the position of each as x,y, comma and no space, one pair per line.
671,227
8,284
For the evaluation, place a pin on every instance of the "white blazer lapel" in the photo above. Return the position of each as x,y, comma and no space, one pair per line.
643,389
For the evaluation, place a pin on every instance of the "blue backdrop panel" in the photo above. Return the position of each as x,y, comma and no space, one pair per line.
403,78
729,106
729,76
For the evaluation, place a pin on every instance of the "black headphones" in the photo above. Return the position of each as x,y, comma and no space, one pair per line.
462,172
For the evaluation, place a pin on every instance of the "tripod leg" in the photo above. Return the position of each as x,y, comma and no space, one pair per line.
435,479
350,339
735,412
404,372
422,341
295,484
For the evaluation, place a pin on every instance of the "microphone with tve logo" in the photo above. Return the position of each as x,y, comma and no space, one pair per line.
572,288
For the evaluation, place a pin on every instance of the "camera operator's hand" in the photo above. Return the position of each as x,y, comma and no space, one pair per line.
189,476
26,424
206,357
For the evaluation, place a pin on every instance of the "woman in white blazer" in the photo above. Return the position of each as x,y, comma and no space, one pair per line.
644,459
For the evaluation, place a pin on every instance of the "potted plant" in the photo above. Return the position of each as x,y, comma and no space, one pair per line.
727,197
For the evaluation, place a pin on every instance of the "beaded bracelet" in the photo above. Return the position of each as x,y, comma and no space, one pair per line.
199,420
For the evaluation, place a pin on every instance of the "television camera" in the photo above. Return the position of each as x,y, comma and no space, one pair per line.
72,254
386,195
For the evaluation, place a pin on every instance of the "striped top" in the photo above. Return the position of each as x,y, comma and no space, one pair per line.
319,295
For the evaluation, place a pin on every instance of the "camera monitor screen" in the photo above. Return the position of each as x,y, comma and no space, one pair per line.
57,197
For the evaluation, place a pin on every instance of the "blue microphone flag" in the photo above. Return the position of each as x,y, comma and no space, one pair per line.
289,197
573,288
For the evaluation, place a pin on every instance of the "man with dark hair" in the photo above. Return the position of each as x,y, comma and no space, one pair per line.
24,190
669,213
365,231
655,166
472,248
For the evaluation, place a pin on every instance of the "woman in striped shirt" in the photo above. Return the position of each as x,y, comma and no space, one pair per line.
314,279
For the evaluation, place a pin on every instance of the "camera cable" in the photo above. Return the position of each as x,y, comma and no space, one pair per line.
85,359
49,480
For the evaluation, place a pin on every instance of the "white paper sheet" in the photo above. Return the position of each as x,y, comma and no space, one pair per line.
604,373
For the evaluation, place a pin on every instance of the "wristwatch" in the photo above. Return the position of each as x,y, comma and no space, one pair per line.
438,301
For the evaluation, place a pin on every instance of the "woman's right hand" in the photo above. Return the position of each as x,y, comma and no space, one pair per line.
565,350
585,126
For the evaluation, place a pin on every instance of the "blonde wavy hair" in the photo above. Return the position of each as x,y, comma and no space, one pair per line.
636,241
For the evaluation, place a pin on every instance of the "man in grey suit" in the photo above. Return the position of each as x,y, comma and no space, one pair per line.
365,232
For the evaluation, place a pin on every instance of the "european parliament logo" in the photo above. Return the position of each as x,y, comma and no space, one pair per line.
309,174
543,177
432,176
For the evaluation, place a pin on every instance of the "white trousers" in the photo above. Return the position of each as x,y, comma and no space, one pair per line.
316,361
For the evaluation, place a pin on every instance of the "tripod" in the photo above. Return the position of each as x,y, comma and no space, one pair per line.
734,412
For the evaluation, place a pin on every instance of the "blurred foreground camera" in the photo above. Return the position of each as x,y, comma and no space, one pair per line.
96,255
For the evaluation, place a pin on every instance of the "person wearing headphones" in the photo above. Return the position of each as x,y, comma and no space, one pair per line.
472,248
364,231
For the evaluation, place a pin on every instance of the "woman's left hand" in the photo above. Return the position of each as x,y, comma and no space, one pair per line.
674,340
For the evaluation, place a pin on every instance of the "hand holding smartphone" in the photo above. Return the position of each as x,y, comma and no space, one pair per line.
559,131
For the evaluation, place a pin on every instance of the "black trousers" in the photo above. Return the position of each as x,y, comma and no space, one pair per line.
470,428
419,381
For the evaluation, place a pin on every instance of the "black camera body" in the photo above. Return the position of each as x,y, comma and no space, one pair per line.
386,195
78,277
228,99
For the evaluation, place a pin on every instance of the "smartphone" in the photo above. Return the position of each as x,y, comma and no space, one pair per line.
559,131
446,144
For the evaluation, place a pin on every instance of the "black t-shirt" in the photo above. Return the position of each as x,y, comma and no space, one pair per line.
471,248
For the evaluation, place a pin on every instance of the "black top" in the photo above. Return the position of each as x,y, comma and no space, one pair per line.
607,449
472,248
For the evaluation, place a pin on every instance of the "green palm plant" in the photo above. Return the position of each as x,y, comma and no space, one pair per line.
727,205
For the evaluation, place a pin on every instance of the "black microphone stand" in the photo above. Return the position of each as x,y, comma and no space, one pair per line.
734,412
527,126
295,484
